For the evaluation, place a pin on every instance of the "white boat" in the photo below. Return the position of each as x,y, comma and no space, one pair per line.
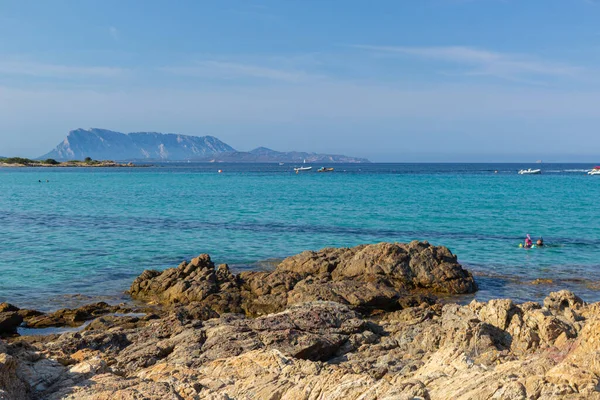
595,171
302,169
530,171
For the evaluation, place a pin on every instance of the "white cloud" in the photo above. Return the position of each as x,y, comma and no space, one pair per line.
231,70
113,32
485,62
36,69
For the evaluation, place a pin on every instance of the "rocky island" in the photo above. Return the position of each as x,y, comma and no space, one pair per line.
153,146
369,322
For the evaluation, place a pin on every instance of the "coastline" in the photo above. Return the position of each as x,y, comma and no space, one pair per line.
67,164
337,323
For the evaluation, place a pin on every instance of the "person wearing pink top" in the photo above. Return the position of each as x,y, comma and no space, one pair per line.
528,242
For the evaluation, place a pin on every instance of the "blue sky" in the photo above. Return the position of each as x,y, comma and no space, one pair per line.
402,80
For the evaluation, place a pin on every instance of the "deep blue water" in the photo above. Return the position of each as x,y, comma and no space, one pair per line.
89,232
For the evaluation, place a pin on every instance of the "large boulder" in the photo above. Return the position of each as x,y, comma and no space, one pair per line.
190,282
405,266
384,276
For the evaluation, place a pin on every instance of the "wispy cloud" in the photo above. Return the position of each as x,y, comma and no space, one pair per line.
485,62
43,70
231,70
113,32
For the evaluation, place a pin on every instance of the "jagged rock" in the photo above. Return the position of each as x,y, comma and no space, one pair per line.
189,282
326,350
369,278
311,331
6,307
336,324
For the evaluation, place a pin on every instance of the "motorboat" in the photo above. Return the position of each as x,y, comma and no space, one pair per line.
530,171
594,171
323,169
300,169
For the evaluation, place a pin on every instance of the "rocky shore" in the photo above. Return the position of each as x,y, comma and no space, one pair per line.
368,322
69,164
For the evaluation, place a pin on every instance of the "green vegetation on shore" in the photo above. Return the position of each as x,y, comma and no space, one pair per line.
27,161
87,162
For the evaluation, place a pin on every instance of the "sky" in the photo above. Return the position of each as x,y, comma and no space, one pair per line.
391,80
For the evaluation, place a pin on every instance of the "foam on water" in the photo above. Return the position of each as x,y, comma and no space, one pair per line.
91,231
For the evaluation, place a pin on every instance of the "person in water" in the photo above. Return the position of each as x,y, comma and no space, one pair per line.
528,242
540,242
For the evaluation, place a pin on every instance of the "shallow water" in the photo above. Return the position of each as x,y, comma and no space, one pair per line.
91,231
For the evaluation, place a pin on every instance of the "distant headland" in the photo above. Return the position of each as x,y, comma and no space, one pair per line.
50,162
103,144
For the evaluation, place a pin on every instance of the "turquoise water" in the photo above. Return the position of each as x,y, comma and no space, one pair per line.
91,231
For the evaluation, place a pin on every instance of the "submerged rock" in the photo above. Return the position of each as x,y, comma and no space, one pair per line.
384,276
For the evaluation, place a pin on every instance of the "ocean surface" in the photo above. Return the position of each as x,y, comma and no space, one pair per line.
87,233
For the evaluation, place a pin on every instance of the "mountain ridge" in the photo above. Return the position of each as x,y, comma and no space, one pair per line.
103,144
266,155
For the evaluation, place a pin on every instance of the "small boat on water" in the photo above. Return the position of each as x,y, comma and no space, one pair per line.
595,171
530,171
281,163
300,169
323,169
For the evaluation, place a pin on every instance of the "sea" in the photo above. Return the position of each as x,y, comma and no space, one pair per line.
69,236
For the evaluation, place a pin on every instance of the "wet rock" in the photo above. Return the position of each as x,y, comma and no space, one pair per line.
72,317
9,321
6,307
27,314
541,281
